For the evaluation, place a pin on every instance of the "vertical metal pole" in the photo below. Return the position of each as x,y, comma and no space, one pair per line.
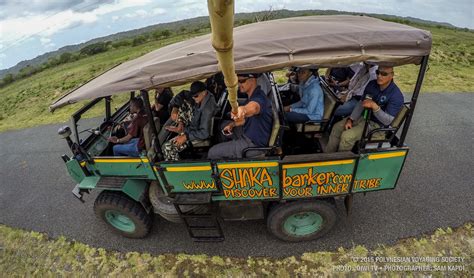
151,121
414,98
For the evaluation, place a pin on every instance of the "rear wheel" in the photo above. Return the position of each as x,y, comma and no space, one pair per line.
163,205
301,220
122,214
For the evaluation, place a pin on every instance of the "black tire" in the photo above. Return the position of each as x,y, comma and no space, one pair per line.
320,218
163,205
122,214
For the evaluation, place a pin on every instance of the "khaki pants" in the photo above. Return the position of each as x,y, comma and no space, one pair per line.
344,140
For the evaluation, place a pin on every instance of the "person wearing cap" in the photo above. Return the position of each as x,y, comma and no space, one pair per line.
252,124
199,126
383,97
311,103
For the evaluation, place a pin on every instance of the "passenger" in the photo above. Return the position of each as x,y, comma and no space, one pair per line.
199,128
386,102
311,104
216,85
182,108
339,78
289,92
132,143
252,125
160,108
362,76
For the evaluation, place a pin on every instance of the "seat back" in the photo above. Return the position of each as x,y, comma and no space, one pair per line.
276,125
400,117
330,102
148,133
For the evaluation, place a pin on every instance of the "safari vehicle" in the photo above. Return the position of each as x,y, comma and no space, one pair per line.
293,189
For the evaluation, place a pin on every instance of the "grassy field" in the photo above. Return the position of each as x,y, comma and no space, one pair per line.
28,254
25,103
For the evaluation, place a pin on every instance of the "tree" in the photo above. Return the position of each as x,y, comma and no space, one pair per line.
7,79
138,40
65,57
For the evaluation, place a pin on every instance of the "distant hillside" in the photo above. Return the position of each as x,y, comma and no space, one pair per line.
201,22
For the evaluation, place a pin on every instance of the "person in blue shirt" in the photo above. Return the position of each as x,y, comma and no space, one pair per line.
311,104
385,100
252,124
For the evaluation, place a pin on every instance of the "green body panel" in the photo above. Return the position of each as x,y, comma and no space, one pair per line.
254,180
305,180
135,189
127,167
189,177
75,170
89,182
377,171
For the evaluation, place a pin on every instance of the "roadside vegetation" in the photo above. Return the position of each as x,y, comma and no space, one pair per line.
26,96
25,253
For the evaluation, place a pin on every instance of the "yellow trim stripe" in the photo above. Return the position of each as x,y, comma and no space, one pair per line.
120,160
387,155
188,169
247,165
328,163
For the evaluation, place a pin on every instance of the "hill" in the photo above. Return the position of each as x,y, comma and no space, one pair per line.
25,102
196,22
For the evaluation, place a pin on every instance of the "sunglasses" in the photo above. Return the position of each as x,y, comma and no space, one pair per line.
197,95
383,73
241,81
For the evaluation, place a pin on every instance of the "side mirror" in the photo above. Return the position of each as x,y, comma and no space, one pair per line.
64,132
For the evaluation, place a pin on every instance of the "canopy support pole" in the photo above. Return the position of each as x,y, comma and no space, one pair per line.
221,16
414,98
151,121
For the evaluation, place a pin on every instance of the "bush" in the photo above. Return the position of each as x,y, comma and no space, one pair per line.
138,40
93,49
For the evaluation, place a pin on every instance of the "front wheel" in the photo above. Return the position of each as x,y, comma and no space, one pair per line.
122,214
301,220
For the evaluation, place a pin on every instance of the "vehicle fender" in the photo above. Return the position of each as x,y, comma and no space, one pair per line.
75,170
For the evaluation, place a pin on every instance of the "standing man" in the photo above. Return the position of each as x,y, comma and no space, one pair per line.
311,104
252,125
385,103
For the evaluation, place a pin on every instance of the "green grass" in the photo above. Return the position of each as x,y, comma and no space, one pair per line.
28,254
25,103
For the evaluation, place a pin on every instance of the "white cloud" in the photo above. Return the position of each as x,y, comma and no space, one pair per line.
15,30
158,11
46,42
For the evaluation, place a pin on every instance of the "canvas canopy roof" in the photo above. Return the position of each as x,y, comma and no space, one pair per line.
265,46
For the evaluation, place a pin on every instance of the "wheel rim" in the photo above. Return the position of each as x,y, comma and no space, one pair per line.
302,224
120,221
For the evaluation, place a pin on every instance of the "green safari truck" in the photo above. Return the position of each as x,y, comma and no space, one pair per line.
293,184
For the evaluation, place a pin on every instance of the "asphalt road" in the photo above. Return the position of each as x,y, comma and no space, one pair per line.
436,189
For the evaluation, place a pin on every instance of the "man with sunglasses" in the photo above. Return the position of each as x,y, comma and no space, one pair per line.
199,126
251,126
383,97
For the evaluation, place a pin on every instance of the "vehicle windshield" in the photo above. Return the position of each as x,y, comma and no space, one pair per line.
90,120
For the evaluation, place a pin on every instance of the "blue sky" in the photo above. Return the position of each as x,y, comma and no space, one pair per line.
31,28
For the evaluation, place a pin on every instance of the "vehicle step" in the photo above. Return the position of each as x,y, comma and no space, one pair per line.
111,182
193,198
